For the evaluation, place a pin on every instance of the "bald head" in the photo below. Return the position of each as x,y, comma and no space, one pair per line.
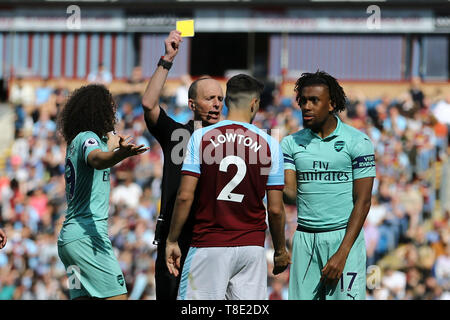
202,81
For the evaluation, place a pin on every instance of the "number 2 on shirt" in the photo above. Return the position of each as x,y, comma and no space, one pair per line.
226,193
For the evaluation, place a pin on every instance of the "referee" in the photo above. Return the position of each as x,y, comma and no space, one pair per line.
205,99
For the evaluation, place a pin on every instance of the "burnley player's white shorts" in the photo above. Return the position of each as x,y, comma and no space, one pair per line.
218,273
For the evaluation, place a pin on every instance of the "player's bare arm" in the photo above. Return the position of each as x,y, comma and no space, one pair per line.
3,239
150,99
362,191
183,203
290,187
102,160
277,220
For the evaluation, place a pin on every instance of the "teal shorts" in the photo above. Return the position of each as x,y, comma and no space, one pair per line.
92,268
311,252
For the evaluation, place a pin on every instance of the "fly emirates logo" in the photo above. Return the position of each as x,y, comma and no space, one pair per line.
324,174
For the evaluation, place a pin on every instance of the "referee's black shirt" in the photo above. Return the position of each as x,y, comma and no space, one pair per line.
163,131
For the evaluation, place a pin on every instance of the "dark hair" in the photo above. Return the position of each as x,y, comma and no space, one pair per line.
89,108
192,92
337,94
243,83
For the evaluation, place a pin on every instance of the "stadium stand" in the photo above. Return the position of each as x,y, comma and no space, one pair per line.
407,230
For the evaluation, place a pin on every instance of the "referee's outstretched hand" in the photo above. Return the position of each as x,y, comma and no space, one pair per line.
281,260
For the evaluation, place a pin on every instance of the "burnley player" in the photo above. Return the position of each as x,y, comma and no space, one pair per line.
205,99
227,171
329,172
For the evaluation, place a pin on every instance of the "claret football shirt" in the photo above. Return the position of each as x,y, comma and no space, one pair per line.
236,163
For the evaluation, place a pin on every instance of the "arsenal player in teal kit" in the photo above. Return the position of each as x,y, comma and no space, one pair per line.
329,172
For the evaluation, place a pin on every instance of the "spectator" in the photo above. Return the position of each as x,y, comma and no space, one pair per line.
22,94
442,268
181,93
413,221
441,110
278,292
61,94
101,75
395,281
43,94
44,125
133,90
127,193
371,237
417,93
395,123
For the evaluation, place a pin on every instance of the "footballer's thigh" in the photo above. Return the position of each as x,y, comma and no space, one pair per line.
248,280
205,274
94,267
304,277
352,284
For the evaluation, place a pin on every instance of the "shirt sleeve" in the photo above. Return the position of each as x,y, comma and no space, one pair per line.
163,128
289,163
276,175
363,158
191,163
90,141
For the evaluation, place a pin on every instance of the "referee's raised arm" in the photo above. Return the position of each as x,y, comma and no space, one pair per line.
150,99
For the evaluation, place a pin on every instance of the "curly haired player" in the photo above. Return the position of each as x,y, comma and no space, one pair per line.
87,124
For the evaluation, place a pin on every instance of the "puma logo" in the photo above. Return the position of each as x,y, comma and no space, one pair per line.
353,297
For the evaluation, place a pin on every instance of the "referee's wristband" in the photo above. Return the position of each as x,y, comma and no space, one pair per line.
164,63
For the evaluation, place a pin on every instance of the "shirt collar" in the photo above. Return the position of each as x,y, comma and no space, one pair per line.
335,133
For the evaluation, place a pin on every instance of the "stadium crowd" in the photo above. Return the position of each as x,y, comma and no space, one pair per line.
407,230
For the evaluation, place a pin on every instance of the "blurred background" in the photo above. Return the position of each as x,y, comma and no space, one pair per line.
391,57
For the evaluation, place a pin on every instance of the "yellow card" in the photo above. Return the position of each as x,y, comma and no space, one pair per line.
186,27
